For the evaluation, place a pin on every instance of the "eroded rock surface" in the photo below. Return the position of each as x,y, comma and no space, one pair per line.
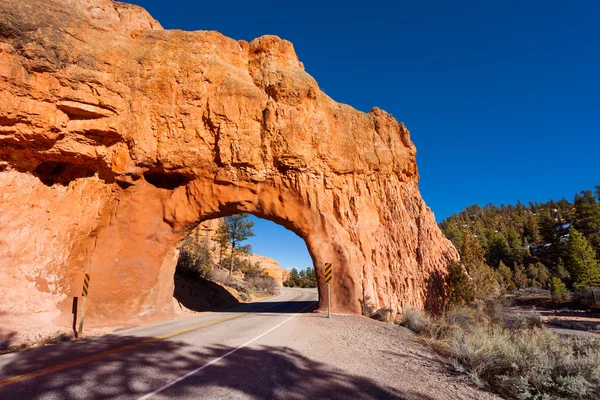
118,137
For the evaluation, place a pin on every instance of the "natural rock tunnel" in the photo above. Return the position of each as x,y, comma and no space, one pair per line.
118,137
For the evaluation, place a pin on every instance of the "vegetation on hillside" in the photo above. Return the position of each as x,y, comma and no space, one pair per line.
196,260
553,245
305,278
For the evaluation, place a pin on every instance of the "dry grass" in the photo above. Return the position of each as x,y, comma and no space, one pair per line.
511,353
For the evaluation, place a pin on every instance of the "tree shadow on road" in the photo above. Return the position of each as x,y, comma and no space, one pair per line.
254,372
267,372
274,307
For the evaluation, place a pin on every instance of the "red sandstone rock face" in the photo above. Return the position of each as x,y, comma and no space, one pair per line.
118,137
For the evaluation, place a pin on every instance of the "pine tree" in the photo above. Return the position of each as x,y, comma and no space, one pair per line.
311,277
538,274
587,217
558,290
222,238
195,257
294,278
517,254
505,277
502,231
234,230
485,285
520,277
459,288
454,234
581,262
497,251
303,278
532,230
548,226
562,272
471,251
543,275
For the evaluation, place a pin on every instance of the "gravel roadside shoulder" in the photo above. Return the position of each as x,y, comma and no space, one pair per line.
382,354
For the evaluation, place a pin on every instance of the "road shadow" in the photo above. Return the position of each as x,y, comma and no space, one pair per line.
256,372
275,307
197,294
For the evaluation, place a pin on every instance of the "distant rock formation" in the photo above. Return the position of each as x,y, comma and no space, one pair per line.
118,137
271,267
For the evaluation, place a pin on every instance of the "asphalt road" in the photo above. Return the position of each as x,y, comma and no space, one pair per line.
574,332
275,349
212,355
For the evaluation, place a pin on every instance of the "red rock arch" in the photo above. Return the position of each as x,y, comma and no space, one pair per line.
150,223
117,137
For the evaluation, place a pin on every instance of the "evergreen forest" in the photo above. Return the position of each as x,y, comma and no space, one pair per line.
553,245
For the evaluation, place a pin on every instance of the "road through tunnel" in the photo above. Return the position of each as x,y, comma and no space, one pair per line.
134,258
239,258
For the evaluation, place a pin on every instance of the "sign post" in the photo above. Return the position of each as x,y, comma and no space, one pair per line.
328,277
84,294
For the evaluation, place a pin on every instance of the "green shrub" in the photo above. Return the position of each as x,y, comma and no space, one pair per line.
558,290
459,288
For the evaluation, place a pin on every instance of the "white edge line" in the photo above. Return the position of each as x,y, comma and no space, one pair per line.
173,382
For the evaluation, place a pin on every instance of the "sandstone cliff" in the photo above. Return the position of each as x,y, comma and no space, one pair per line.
271,267
118,137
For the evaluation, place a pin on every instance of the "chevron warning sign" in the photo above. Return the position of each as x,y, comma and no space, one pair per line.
84,294
328,272
328,277
86,285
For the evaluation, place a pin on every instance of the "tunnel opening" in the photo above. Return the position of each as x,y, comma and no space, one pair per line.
238,259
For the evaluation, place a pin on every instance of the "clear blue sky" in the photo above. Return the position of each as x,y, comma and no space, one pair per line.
280,244
502,97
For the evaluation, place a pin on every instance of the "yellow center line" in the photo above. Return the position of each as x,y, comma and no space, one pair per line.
93,357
